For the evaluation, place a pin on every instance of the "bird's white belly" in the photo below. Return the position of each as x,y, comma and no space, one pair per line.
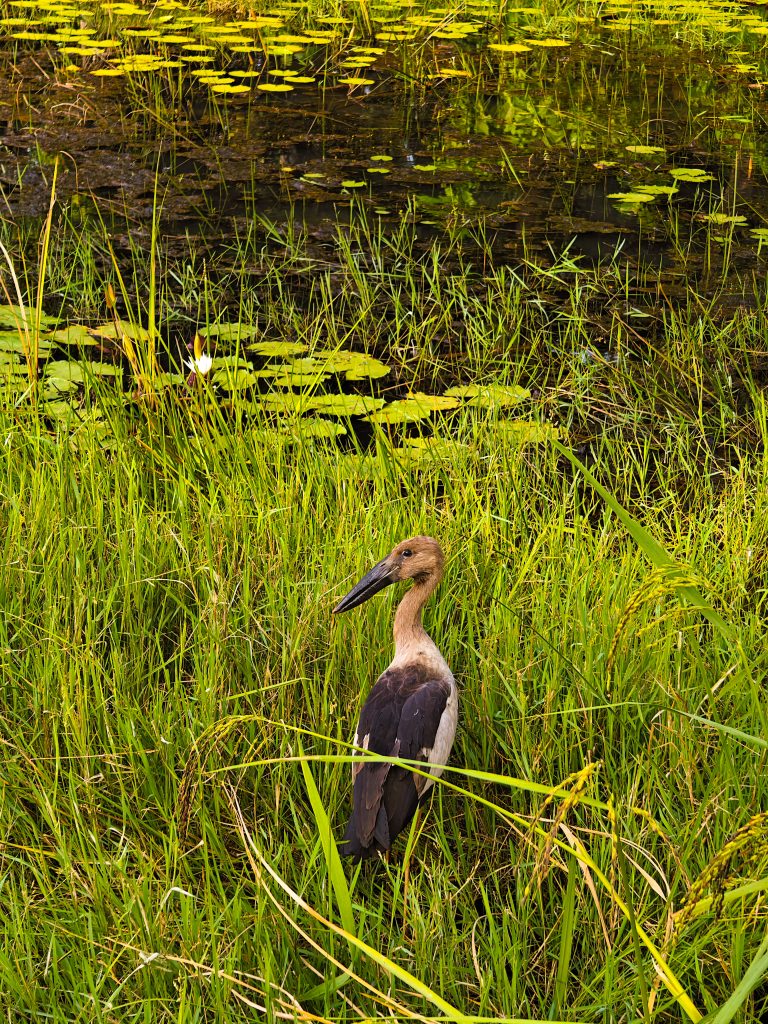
441,748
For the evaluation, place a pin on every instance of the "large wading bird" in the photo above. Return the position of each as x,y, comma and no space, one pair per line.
410,713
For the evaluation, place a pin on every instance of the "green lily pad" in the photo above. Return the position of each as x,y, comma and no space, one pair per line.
418,406
75,334
725,218
67,371
489,396
167,380
299,379
288,403
645,150
16,316
658,190
431,448
528,431
14,341
695,174
346,405
125,330
316,427
233,379
277,348
63,376
365,367
229,332
631,198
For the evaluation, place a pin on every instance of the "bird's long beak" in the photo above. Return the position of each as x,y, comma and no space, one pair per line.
380,576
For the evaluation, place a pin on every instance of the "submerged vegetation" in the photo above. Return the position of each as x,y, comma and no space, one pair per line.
283,284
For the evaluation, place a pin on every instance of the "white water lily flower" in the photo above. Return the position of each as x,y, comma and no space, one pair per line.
200,364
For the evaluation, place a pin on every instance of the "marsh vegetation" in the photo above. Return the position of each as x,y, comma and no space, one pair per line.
286,283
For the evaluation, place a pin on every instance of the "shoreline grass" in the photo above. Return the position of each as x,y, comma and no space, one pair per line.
167,636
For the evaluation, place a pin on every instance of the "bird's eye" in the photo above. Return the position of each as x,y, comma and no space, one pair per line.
407,553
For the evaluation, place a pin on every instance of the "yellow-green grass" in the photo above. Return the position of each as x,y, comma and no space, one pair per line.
169,657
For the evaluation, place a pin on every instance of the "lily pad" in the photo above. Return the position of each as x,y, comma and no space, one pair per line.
18,316
133,331
431,448
288,403
233,379
658,190
68,369
631,198
489,396
75,334
363,367
695,174
14,341
645,150
725,218
315,426
418,406
229,332
299,379
346,405
278,348
528,431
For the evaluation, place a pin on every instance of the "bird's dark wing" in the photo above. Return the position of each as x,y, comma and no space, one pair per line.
400,719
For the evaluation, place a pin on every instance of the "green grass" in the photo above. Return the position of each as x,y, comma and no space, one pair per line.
177,703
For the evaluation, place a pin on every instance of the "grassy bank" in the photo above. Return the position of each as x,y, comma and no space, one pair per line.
168,656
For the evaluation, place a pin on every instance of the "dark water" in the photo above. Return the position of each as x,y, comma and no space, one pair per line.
516,158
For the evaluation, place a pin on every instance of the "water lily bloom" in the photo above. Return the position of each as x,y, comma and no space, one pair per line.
202,362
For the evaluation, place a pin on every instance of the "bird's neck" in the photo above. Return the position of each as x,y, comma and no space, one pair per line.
409,632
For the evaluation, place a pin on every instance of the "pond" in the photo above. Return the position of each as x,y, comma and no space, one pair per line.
347,207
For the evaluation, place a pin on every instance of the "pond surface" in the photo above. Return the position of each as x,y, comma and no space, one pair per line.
540,137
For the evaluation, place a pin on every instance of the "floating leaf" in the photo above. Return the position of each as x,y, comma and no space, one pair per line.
528,431
415,407
725,218
695,174
432,448
357,81
658,190
345,405
645,150
287,402
489,396
18,316
298,379
233,379
631,198
548,42
274,87
353,184
67,375
229,332
15,341
509,47
230,88
125,330
277,348
316,427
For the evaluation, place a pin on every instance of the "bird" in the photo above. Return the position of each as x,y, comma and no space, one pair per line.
411,712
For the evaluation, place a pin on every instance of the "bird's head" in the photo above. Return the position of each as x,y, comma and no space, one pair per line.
420,559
